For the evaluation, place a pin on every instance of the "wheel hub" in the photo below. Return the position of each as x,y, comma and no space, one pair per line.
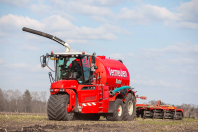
130,107
119,110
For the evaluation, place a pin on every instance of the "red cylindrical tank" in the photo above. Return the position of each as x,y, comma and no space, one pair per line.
113,73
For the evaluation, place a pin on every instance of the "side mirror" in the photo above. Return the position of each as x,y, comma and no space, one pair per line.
43,62
95,67
93,59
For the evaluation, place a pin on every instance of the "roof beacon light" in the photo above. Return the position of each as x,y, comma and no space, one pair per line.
52,52
83,52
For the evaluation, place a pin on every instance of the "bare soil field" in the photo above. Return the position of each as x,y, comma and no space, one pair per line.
13,122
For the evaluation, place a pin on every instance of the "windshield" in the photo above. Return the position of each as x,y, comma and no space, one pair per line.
72,68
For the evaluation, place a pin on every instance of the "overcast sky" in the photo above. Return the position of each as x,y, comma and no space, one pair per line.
157,41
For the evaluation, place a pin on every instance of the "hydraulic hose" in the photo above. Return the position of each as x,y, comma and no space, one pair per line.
118,89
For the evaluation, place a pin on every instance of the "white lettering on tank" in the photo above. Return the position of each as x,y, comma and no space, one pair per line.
117,73
118,81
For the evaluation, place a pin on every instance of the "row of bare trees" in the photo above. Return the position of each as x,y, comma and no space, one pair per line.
190,110
35,102
28,102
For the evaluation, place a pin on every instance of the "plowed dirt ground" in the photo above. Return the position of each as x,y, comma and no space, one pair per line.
40,123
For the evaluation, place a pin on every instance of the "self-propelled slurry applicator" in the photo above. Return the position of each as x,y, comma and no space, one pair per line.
87,86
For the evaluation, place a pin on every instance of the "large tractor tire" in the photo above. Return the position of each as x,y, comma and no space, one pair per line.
179,115
109,117
61,108
51,107
118,111
129,108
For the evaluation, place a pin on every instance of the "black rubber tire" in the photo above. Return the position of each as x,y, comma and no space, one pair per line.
109,117
115,116
179,115
142,113
129,99
138,113
61,108
51,107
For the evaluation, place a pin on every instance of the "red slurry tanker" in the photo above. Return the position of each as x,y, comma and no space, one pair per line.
87,86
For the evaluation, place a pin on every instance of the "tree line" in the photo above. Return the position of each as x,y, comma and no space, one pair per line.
28,102
190,110
35,102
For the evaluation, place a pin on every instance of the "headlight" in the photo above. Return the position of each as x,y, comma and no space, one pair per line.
62,90
51,90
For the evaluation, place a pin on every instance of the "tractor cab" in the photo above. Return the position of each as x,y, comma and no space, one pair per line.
73,66
70,66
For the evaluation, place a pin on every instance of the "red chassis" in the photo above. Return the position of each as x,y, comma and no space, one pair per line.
91,98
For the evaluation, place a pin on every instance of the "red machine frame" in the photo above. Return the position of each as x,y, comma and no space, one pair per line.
164,111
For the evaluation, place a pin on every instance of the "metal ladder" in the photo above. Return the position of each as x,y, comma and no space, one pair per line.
100,99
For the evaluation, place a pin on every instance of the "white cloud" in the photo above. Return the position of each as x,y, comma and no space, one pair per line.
181,24
158,83
146,14
186,15
130,54
116,56
105,2
179,48
81,8
20,65
95,33
1,62
73,50
27,47
93,3
19,3
43,10
182,61
116,29
138,76
73,41
99,19
112,2
13,23
96,9
57,25
178,58
26,67
55,48
189,11
121,56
